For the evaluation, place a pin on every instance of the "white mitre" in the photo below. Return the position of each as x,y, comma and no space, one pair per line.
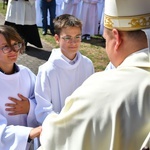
127,15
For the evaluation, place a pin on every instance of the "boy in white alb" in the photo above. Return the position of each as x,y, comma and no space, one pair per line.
65,70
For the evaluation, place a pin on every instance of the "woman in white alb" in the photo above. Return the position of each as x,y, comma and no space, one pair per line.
17,119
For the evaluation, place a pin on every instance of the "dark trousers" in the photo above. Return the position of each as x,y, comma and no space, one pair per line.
45,7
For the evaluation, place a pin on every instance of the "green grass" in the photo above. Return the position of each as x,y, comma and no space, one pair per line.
94,49
2,11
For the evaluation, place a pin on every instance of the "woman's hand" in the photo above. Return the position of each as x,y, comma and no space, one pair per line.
18,106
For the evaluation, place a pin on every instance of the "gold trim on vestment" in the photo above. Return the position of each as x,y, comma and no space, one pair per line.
127,23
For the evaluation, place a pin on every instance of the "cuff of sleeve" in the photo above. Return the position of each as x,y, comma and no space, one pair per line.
29,140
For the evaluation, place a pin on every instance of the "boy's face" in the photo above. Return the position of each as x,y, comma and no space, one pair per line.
69,41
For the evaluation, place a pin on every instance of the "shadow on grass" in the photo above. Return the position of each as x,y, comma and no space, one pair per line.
38,53
96,40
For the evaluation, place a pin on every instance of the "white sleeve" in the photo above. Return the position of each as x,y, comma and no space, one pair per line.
31,119
13,137
43,97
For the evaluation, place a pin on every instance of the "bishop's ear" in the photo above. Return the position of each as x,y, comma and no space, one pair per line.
117,36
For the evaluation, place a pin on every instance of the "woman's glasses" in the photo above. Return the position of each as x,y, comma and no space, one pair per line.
15,47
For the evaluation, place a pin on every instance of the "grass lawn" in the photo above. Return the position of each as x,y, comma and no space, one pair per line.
94,49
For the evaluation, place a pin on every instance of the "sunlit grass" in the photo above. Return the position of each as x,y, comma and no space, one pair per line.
92,49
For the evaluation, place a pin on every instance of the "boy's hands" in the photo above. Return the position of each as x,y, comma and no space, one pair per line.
35,132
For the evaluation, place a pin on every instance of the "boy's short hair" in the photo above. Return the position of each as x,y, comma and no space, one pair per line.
66,20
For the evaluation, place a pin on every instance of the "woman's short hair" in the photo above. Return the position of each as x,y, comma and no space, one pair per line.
10,34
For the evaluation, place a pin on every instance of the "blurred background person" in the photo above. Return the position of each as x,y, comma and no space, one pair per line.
71,7
89,17
45,7
21,15
59,9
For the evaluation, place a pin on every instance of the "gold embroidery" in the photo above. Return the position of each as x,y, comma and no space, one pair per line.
127,23
108,22
140,22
